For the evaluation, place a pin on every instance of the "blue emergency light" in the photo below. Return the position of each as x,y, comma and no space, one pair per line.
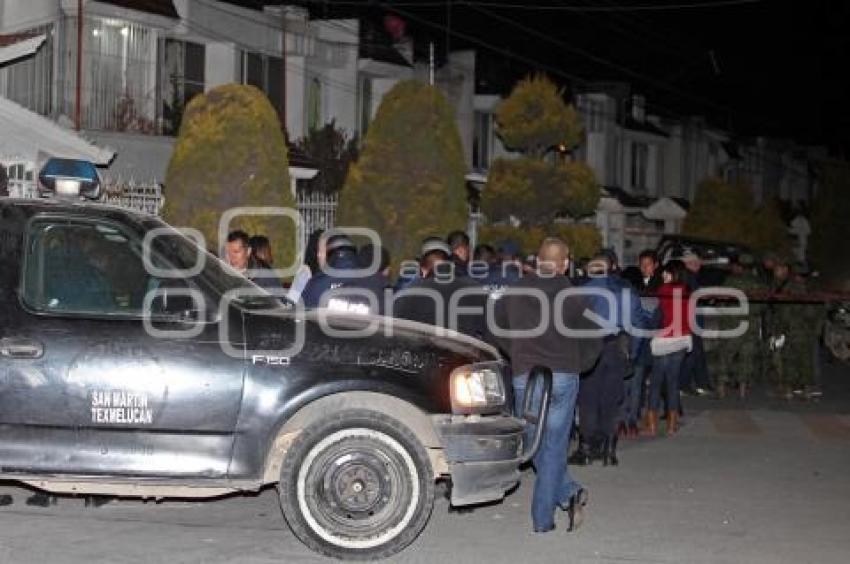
69,178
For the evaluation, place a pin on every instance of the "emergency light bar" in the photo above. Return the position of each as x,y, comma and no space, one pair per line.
69,178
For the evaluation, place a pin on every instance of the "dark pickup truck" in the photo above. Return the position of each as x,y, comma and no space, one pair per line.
134,363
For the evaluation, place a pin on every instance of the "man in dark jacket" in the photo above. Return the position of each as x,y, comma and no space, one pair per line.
458,242
603,390
342,284
428,299
567,356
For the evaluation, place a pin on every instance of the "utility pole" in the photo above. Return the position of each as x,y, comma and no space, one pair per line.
282,108
431,63
78,85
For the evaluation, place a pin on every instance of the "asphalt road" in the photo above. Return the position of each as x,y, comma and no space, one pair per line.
753,482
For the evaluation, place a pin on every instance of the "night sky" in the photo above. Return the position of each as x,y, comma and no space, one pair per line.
770,67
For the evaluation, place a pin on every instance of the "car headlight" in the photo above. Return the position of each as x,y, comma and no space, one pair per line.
477,386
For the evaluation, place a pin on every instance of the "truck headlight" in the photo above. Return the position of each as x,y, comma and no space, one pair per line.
477,386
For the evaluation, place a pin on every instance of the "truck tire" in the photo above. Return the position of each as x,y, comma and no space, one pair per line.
356,485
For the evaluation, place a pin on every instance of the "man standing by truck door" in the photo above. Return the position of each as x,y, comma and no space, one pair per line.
519,310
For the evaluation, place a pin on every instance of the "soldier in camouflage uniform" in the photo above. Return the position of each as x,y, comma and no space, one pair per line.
794,330
738,360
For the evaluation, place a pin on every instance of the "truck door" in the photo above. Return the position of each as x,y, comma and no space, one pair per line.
88,389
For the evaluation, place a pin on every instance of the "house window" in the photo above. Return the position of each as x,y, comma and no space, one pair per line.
640,159
118,88
181,79
266,73
595,115
482,141
29,81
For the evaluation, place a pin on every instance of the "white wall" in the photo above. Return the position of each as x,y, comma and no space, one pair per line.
221,64
334,63
21,15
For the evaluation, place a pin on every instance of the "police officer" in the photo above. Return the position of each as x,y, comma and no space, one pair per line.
495,275
602,390
428,299
344,285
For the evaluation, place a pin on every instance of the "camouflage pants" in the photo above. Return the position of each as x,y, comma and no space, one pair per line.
737,360
793,364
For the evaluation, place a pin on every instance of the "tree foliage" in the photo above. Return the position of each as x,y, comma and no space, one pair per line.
408,183
830,225
534,118
230,152
728,212
539,187
535,191
333,152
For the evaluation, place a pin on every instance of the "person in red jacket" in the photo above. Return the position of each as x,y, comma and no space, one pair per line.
669,346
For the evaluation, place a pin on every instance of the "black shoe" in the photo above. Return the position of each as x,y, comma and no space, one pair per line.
6,499
581,457
609,456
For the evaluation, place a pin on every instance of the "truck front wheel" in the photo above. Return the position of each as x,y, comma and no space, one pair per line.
357,485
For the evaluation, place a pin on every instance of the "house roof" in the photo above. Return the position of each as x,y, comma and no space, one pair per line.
159,7
17,48
27,134
376,44
629,200
644,126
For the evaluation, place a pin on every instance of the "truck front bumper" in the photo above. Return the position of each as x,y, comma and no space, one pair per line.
484,453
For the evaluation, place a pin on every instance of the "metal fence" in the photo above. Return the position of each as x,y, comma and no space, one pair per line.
145,197
318,211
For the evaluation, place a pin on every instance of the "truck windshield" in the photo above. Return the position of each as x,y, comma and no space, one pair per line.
183,252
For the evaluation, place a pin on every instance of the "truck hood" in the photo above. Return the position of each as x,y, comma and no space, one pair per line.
387,330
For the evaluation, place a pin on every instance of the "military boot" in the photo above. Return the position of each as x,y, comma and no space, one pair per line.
582,454
609,453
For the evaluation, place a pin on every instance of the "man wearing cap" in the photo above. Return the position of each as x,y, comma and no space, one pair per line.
341,283
602,390
428,299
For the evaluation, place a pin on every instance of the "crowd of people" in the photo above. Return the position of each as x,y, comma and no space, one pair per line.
624,384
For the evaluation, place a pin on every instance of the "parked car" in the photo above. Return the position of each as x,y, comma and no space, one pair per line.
119,378
716,255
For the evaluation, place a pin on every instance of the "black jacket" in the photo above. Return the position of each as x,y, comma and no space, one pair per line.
552,349
413,304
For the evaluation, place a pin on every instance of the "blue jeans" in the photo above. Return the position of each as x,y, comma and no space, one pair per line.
665,374
553,485
634,393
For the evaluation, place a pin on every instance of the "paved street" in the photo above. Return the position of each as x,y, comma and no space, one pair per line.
761,482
